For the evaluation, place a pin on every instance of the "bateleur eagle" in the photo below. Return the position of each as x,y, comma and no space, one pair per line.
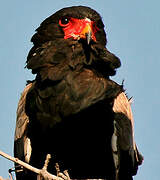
73,110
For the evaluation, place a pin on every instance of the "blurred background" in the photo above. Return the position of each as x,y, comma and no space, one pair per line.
133,33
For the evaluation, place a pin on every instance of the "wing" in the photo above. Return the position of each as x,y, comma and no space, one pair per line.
125,152
22,144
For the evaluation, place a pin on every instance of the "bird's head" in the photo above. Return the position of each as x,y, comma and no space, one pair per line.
75,23
72,33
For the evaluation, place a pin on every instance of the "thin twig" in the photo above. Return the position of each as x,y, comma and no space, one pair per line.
57,169
48,157
16,160
42,172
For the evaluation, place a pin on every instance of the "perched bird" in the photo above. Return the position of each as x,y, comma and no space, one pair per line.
73,110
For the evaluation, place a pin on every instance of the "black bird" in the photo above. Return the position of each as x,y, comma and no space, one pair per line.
72,109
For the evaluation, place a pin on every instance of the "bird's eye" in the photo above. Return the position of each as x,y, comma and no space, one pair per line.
64,21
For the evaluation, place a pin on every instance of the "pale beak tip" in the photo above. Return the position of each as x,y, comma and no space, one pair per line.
89,37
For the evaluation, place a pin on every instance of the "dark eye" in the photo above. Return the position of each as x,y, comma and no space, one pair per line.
64,21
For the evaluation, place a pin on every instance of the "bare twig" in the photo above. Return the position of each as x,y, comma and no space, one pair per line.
57,169
16,160
42,173
48,157
63,175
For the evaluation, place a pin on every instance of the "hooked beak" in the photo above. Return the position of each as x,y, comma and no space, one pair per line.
87,33
89,37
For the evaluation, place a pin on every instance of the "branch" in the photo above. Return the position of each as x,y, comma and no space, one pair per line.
41,172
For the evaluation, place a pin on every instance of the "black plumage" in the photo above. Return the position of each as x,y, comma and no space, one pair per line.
67,110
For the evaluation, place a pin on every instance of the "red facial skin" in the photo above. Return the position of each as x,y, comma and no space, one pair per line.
77,28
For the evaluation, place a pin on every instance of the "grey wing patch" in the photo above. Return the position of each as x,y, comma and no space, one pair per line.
124,121
123,137
22,119
22,144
